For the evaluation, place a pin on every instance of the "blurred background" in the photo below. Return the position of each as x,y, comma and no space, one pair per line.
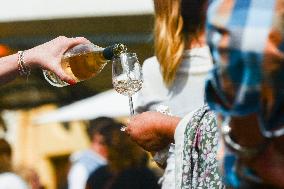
41,122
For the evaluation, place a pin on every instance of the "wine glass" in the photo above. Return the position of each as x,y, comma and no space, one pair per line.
127,76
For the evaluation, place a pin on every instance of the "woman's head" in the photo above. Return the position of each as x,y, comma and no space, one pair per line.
177,24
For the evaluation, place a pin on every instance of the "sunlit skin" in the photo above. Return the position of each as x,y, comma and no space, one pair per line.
269,165
152,130
46,56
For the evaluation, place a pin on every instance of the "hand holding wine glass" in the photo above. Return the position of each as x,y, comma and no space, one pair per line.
127,76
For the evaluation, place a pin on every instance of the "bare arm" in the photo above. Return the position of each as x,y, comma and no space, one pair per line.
8,68
47,56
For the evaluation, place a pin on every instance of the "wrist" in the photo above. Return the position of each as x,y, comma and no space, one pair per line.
168,126
23,68
29,58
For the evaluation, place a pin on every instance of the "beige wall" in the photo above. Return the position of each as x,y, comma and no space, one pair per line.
34,145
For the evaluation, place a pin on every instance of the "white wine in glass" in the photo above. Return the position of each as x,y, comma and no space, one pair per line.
127,76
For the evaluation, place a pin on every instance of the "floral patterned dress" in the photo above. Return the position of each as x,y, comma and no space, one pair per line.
199,167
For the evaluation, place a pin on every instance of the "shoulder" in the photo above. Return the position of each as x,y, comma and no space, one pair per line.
150,61
101,171
200,59
136,178
202,119
77,155
11,180
99,178
11,177
78,168
87,157
207,116
151,64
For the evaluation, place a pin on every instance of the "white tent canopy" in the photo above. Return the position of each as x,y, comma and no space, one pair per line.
108,103
16,10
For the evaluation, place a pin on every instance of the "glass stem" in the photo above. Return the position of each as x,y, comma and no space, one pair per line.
131,105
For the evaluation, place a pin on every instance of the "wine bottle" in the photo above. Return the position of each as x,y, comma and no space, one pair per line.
84,61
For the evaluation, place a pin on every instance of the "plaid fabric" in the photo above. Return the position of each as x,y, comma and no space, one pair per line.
246,38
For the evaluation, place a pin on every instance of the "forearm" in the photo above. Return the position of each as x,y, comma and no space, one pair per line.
8,68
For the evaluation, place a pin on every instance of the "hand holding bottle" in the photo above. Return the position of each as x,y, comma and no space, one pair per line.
83,61
48,55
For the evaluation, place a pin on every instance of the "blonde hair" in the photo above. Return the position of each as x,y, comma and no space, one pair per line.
175,29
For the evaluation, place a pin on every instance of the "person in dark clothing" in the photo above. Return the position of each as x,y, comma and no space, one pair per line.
126,169
139,178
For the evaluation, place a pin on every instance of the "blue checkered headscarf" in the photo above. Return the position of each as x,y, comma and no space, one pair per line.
246,38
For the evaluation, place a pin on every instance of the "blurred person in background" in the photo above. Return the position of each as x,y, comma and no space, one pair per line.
8,178
246,89
45,56
127,166
86,161
176,78
31,177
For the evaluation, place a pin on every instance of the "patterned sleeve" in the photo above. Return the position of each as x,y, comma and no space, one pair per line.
199,164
